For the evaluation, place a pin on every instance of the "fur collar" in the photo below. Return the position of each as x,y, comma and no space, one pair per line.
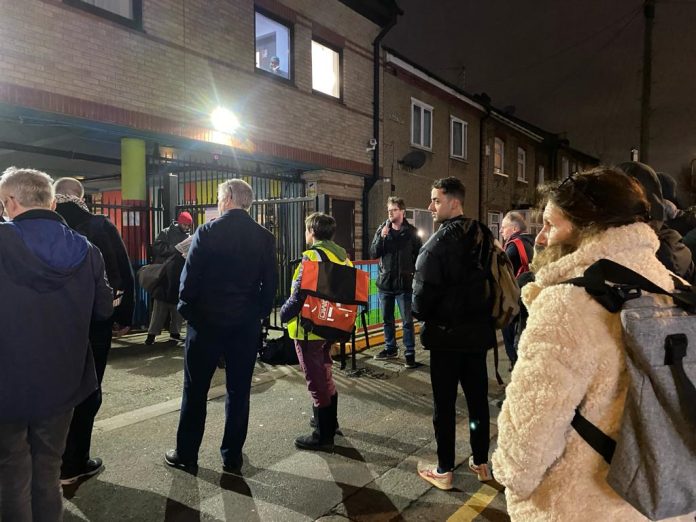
633,246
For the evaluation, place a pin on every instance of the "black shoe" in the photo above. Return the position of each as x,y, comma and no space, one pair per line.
91,468
410,361
313,423
322,438
233,468
171,458
150,339
175,337
387,354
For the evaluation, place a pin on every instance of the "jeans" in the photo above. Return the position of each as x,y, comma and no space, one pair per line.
79,439
160,311
30,458
509,332
387,303
315,361
204,346
447,371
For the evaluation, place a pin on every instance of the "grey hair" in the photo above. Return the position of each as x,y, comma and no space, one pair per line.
69,187
517,219
238,191
29,187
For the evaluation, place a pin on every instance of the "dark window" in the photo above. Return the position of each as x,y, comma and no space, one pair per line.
127,12
273,46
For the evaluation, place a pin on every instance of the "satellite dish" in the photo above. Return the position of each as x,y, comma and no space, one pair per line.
414,159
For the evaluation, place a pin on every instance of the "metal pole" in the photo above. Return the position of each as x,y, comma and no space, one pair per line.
649,13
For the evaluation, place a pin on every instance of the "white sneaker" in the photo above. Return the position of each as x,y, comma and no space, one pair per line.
483,471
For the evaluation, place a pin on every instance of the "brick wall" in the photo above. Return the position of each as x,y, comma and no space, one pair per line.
191,56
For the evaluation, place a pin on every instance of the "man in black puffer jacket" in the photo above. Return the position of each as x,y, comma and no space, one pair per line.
396,243
451,294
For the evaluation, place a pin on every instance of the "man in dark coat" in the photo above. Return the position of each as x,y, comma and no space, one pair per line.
227,289
396,243
164,302
673,253
451,294
53,284
519,247
105,236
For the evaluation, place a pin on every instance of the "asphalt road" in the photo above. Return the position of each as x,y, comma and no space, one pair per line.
385,414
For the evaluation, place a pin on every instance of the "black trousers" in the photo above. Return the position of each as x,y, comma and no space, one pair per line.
80,434
447,371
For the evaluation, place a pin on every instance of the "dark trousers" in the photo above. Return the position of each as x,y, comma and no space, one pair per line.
315,361
204,346
30,457
509,333
80,434
447,371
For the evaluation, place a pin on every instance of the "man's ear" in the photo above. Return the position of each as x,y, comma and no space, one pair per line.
53,204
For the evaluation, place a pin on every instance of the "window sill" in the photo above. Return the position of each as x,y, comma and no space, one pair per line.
135,23
421,147
328,97
460,159
501,174
273,76
523,181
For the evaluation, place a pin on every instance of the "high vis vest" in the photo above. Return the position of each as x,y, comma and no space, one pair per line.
295,330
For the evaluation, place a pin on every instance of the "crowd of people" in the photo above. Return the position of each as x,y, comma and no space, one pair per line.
70,266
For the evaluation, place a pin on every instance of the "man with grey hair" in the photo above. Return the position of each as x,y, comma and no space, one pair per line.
519,247
227,289
54,283
102,233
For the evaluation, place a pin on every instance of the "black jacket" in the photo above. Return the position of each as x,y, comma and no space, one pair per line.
52,284
168,288
397,253
451,290
675,255
513,253
230,273
105,236
167,239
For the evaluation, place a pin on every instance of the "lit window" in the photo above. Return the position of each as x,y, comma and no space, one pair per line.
128,12
499,156
458,137
421,124
326,70
273,49
521,164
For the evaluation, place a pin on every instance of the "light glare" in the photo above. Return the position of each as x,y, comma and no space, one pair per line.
224,120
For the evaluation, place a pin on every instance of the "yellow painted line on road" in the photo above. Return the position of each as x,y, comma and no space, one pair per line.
475,505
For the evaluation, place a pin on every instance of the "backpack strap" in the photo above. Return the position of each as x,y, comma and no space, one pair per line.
600,441
322,254
522,252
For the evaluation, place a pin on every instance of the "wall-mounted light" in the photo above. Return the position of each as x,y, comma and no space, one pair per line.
224,120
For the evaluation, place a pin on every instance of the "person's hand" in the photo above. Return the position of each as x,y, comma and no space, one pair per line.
385,231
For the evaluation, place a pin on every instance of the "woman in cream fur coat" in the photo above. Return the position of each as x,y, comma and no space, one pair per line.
571,354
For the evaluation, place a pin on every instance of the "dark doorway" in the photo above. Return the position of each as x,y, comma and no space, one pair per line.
343,211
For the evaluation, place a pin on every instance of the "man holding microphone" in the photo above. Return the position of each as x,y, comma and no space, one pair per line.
396,243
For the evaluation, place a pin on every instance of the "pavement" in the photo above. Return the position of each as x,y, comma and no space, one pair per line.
385,413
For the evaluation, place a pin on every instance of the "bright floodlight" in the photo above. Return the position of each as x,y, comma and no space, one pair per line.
224,120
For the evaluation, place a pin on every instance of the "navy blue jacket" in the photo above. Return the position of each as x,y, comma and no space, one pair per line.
52,282
230,272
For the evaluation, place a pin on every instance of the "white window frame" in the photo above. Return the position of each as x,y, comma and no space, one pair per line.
565,167
494,221
541,174
499,170
423,107
521,164
465,136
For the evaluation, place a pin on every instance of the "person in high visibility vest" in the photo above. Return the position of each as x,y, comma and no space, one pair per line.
313,352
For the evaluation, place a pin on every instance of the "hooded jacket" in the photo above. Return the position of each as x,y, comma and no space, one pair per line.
571,354
513,253
52,284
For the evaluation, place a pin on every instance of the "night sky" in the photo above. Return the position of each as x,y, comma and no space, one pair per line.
568,66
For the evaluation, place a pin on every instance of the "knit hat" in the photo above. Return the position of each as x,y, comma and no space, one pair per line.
184,219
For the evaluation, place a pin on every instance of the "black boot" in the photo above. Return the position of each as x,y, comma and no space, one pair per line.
313,419
322,438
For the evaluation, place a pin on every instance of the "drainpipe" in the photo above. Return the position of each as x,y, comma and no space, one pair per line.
370,182
483,160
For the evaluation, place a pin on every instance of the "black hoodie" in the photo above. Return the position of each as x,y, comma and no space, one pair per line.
52,283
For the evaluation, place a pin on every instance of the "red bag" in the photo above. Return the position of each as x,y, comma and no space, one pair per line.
333,293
